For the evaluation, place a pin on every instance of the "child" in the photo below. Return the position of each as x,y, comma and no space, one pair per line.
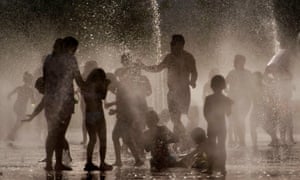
124,124
198,157
216,107
94,93
157,139
39,85
24,94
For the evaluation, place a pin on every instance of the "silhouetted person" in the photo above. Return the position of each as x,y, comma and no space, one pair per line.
39,85
240,84
124,126
157,139
59,71
88,67
182,74
216,107
94,93
24,95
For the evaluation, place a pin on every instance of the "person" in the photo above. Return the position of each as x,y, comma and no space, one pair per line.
94,93
25,93
59,71
198,157
240,83
280,71
122,72
182,74
139,88
39,85
88,67
206,88
124,126
216,107
156,140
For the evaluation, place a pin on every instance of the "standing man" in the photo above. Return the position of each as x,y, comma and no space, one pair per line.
59,71
182,74
239,81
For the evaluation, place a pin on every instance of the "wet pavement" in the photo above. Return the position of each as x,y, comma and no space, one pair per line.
21,162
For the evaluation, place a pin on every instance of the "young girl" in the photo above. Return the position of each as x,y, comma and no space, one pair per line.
94,93
24,94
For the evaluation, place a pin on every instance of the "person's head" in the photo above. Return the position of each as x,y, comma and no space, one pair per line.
70,45
198,135
239,62
113,82
39,85
58,46
97,76
28,78
90,65
177,44
125,59
218,83
152,119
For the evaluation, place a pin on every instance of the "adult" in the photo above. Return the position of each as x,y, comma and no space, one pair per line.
182,74
59,71
239,82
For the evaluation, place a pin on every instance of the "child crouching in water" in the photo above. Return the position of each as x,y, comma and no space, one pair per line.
94,93
198,157
157,138
216,107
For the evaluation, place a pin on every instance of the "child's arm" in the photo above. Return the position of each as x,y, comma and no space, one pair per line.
36,111
12,92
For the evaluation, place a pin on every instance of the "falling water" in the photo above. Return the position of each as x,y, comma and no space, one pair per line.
276,42
160,100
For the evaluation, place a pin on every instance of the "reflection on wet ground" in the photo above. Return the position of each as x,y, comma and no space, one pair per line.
21,162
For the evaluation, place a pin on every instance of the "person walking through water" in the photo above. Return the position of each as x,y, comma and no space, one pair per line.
182,74
24,95
59,71
240,84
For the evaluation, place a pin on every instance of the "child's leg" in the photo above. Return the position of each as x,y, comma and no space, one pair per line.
91,144
221,146
211,139
116,140
18,124
128,139
102,138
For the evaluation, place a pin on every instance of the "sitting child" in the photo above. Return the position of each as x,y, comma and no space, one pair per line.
198,157
157,138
